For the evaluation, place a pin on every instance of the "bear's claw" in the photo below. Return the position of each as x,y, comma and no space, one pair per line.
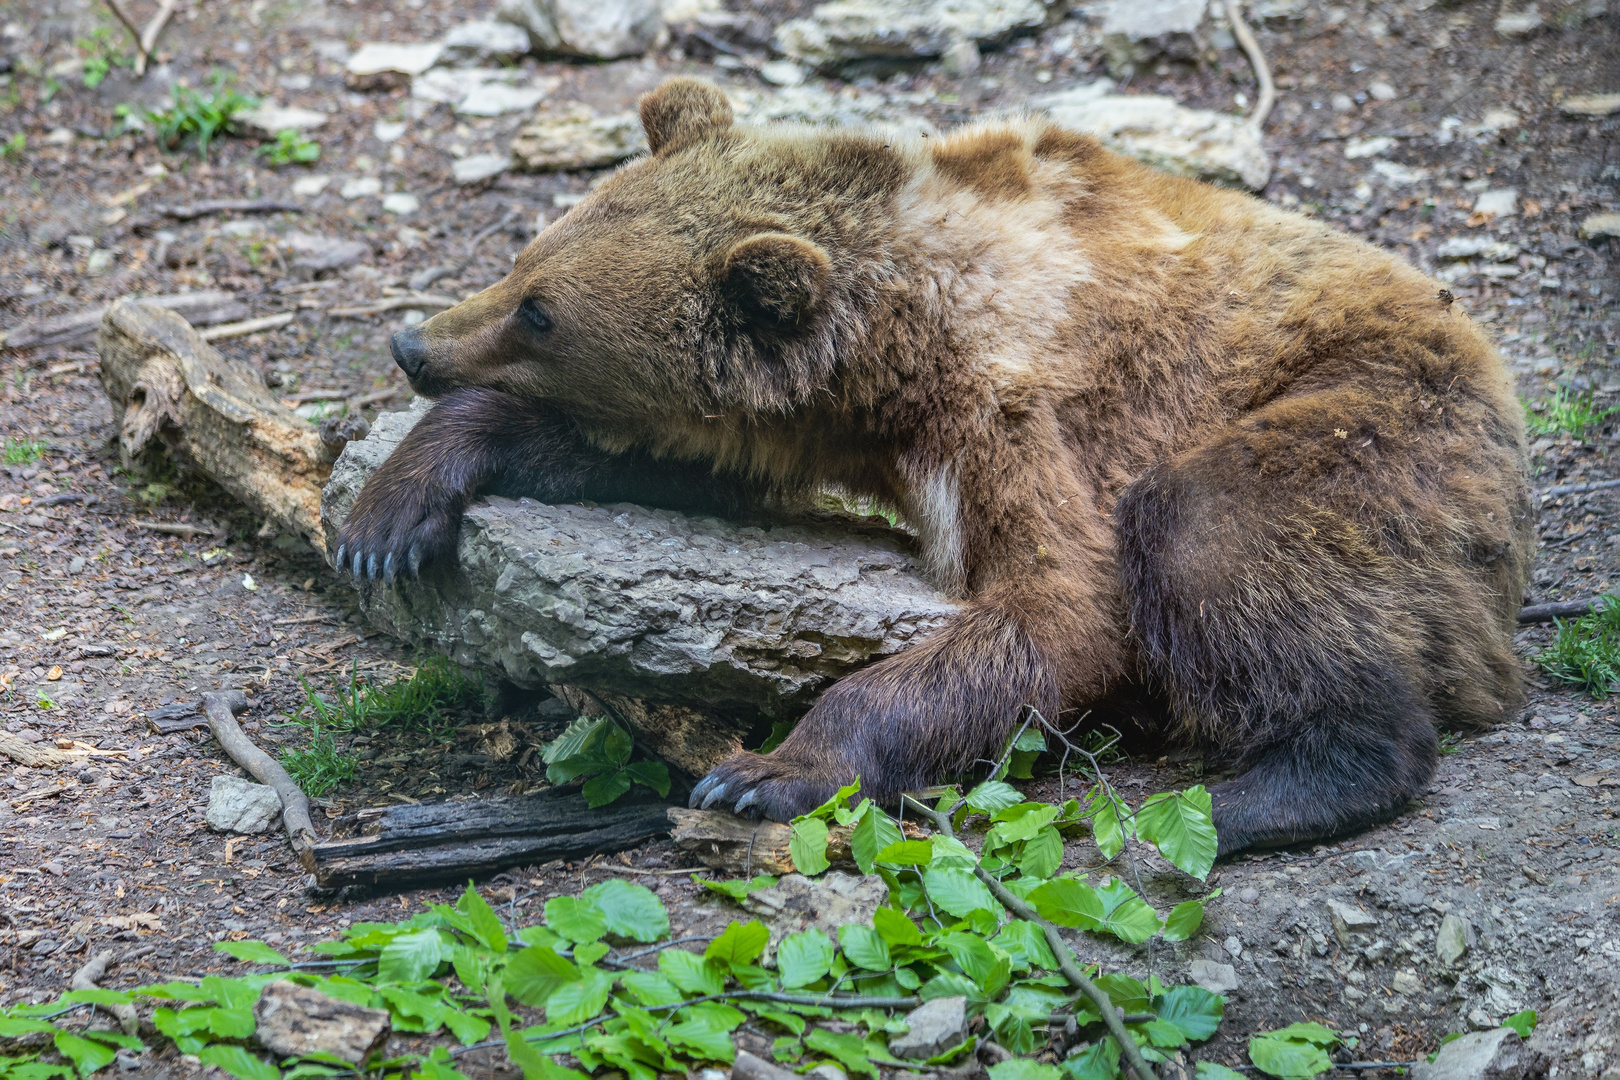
763,786
389,531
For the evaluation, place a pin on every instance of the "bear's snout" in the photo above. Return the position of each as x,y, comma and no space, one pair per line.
410,351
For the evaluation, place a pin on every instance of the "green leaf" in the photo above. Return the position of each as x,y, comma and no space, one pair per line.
1099,1061
1126,915
1214,1070
865,946
692,973
1025,943
993,795
738,889
253,952
808,846
705,1035
652,774
1184,921
1308,1031
1106,828
875,832
803,958
1025,749
576,1002
536,973
239,1063
1024,1069
1182,826
651,988
959,892
87,1056
907,853
837,802
633,911
1522,1022
535,1065
486,925
1194,1011
1042,854
850,1050
896,927
986,965
17,1027
575,919
230,1023
603,788
1287,1058
1125,992
1068,902
410,958
466,1028
738,944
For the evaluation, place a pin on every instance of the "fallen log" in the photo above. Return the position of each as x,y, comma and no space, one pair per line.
198,308
35,755
169,387
1560,609
417,843
743,848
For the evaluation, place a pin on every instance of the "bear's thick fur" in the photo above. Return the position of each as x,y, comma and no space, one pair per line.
1162,437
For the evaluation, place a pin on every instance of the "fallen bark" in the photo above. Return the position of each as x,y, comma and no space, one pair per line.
168,386
295,1020
35,755
198,308
1562,609
426,842
294,804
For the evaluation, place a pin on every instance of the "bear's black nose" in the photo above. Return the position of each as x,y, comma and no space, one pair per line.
410,351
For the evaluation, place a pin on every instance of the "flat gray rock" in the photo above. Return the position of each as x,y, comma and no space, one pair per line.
241,806
935,1027
741,622
850,30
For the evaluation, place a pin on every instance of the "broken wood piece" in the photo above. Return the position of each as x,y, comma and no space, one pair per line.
392,303
220,708
198,308
737,846
43,793
296,1021
93,971
247,326
153,31
1562,609
169,386
424,842
192,211
176,528
34,755
169,726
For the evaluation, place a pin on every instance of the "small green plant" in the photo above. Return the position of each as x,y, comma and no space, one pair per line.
1566,412
45,702
101,55
424,701
320,766
1586,651
23,451
598,750
1451,742
1522,1024
197,117
14,148
290,148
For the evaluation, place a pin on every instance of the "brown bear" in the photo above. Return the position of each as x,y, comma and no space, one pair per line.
1160,436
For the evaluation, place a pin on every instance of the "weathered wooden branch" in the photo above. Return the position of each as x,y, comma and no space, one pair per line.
168,385
456,840
1561,609
739,847
35,755
199,308
294,804
93,971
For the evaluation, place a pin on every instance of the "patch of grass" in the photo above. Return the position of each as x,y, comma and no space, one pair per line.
1451,742
196,117
290,148
14,148
320,766
24,451
1566,412
425,701
1586,651
101,55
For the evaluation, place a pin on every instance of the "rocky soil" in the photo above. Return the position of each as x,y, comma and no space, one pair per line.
1469,138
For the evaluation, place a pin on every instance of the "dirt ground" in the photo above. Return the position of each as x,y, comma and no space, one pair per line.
105,623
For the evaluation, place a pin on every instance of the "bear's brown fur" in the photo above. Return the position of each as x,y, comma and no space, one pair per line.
1159,435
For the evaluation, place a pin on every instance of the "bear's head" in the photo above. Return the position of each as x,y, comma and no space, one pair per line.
724,272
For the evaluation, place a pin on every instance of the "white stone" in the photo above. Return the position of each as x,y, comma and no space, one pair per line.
1600,225
1141,19
361,187
241,806
1497,1054
1186,142
600,28
1518,23
1475,247
845,30
1381,91
1360,148
1591,105
1406,982
388,130
961,58
374,58
1342,103
401,202
1497,202
1451,940
685,11
781,73
495,99
1396,173
1215,977
265,121
99,262
934,1027
477,167
324,252
1351,915
486,40
309,186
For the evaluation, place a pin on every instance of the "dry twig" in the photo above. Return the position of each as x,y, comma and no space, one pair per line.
247,326
93,971
1257,60
153,31
220,708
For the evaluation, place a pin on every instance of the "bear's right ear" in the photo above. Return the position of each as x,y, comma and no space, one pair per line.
779,281
681,108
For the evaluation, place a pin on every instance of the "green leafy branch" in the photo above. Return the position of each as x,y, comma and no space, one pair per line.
598,750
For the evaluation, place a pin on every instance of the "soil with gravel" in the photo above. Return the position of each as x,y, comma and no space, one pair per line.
107,625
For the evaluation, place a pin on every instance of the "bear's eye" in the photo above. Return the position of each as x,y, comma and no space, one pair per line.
537,319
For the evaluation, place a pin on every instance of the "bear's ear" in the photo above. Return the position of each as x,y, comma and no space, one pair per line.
681,108
777,279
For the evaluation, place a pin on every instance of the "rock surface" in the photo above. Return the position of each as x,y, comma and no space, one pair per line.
850,30
241,806
797,903
1215,977
936,1026
733,620
297,1020
266,121
1481,1055
603,29
485,41
1198,143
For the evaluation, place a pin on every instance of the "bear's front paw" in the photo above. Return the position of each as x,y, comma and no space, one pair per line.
765,785
395,528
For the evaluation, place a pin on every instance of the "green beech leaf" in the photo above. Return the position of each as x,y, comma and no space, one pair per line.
603,788
1522,1022
959,892
803,958
467,1029
692,973
239,1063
993,795
1068,902
1042,854
651,987
411,958
576,1002
1214,1070
738,889
808,846
1126,915
633,911
895,927
850,1050
986,965
1182,826
875,832
486,925
865,946
1308,1031
1288,1059
87,1056
738,944
907,853
1106,827
1184,920
652,774
17,1027
253,952
827,809
1024,1069
98,996
575,919
1194,1011
1025,943
536,973
1099,1061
